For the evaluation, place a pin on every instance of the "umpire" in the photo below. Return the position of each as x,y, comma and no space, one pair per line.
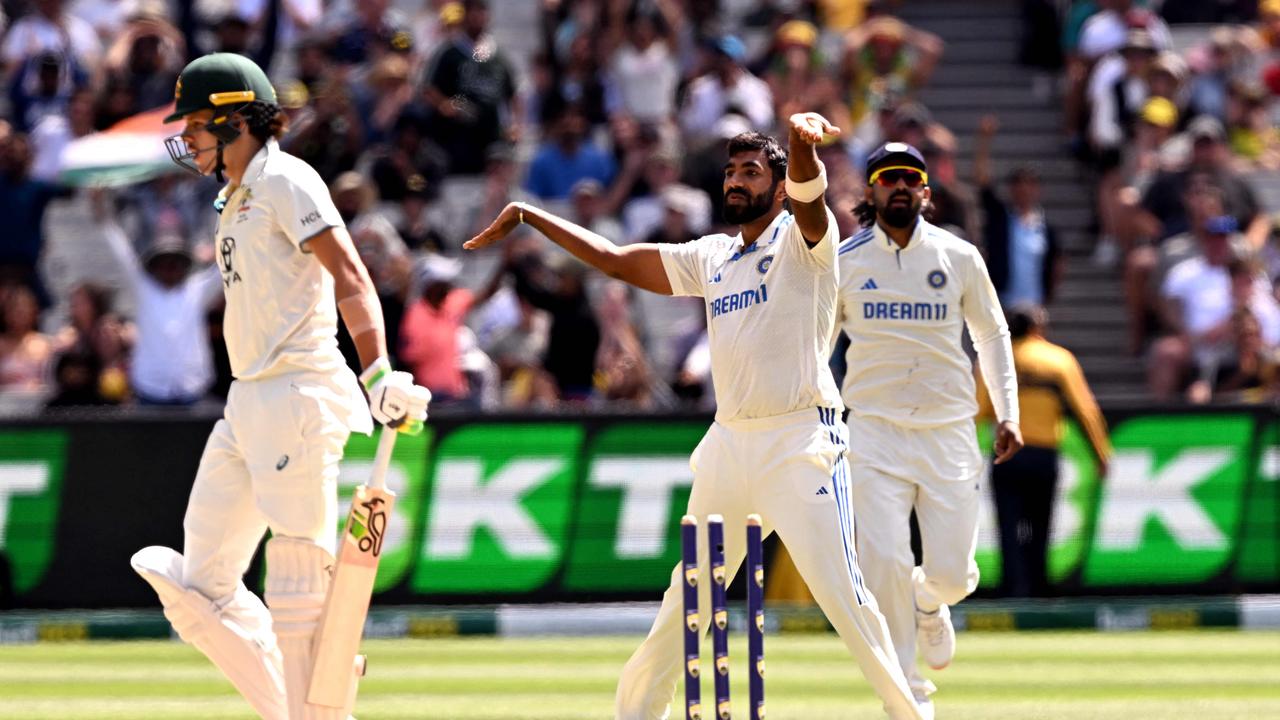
1050,385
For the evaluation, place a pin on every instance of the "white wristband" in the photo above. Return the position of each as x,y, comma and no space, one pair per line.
809,190
375,372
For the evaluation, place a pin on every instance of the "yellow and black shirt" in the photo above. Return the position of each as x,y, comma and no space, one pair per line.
1051,385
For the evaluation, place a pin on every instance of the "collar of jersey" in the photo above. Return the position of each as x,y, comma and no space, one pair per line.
259,161
254,170
886,243
772,231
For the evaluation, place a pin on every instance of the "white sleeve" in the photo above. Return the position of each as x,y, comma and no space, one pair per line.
821,257
207,285
756,99
1104,125
122,251
699,113
1104,129
990,335
303,206
1108,70
1175,283
686,265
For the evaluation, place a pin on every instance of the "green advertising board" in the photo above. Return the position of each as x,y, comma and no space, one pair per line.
579,510
1185,499
498,508
627,534
572,509
1259,559
1172,503
31,470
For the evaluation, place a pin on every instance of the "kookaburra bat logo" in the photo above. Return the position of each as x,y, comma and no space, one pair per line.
375,524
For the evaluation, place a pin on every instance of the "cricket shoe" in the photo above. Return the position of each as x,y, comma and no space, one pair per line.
925,707
936,637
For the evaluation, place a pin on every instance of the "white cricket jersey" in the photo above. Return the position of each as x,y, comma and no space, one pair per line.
771,314
903,310
281,315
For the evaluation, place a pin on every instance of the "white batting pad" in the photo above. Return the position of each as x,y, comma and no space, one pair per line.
234,632
298,574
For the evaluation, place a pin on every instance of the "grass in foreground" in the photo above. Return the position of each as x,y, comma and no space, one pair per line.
1201,675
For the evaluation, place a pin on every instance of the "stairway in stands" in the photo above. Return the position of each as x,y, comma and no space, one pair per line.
978,74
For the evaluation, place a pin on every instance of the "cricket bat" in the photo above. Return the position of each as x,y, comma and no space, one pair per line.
338,639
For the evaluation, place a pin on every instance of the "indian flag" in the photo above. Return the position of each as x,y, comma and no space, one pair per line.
131,151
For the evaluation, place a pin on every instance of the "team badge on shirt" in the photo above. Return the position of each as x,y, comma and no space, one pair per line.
763,265
937,279
242,212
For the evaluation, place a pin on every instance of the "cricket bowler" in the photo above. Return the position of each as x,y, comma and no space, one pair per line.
907,288
271,462
777,447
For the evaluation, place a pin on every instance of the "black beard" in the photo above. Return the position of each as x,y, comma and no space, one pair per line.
755,208
899,216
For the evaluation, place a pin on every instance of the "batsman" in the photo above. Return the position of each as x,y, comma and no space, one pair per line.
271,463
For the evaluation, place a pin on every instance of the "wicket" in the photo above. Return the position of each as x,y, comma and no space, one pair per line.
719,613
692,630
720,616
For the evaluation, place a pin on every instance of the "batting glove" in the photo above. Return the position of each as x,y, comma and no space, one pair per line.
394,400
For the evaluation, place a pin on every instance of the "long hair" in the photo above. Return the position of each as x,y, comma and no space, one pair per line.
264,120
865,211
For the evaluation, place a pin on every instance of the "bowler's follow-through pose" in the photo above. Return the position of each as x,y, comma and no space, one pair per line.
907,288
272,460
777,447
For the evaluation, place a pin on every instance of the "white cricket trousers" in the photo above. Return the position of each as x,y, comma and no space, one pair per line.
272,461
934,471
791,470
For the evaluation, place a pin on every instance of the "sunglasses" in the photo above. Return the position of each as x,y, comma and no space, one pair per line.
889,177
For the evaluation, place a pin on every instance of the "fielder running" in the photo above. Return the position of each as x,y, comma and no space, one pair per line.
906,287
777,447
272,460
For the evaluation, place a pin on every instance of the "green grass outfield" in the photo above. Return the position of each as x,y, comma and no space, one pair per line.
1199,675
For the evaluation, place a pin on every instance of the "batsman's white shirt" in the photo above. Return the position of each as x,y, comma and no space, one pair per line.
904,310
281,315
272,460
756,307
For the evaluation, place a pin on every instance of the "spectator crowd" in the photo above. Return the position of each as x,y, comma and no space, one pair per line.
614,113
1176,123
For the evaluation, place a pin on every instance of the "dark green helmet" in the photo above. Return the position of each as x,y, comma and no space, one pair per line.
223,83
220,82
